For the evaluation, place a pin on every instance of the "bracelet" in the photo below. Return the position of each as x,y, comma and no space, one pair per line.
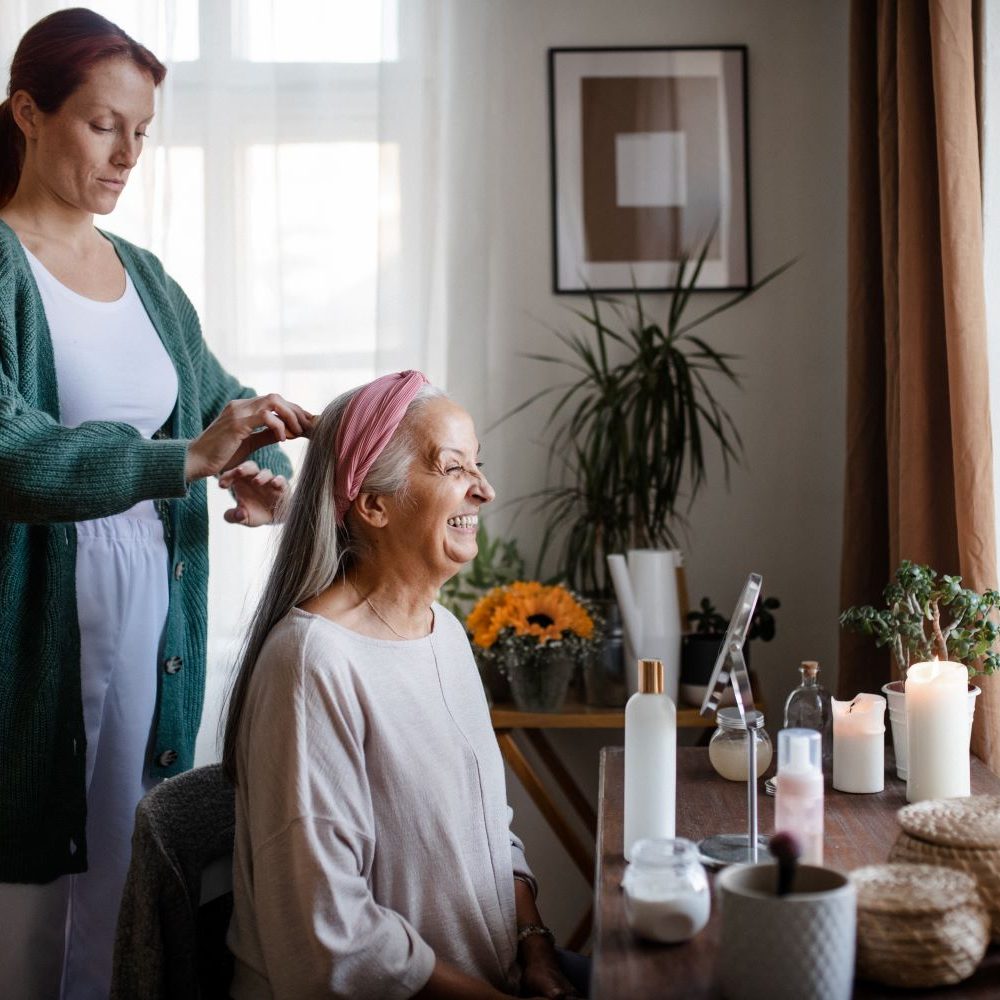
528,930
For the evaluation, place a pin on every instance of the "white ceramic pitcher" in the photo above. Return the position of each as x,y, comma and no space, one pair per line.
646,587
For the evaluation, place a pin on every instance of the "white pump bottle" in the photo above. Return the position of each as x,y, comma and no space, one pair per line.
650,759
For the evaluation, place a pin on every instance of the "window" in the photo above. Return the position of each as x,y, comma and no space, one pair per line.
271,173
264,192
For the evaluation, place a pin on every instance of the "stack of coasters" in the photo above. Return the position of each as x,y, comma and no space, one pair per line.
918,925
958,833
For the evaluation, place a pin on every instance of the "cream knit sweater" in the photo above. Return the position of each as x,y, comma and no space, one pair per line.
50,477
372,826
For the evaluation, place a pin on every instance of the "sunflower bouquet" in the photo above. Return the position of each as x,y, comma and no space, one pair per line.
536,634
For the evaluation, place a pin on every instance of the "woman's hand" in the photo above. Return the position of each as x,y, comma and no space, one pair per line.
540,975
243,426
259,494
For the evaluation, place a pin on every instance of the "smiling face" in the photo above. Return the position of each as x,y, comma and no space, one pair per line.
436,521
81,155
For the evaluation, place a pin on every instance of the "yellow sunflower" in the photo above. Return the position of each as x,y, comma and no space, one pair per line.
530,609
480,620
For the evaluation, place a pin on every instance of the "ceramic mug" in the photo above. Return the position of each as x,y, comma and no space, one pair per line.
794,947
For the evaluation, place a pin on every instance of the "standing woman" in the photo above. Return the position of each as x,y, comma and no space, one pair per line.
113,411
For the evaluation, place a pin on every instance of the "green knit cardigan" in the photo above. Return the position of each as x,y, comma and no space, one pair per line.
50,477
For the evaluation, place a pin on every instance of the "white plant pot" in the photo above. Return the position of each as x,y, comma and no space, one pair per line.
896,697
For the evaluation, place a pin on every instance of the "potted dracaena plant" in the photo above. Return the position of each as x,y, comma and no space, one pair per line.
631,428
928,616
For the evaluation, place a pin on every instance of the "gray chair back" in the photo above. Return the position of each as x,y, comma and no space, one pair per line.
168,945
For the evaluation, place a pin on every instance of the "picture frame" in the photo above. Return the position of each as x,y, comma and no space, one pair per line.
649,154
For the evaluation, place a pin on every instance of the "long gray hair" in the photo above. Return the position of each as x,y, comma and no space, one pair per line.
314,549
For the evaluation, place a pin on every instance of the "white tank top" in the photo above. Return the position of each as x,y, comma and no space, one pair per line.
110,362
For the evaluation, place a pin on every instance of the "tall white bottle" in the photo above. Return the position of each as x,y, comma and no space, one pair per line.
650,759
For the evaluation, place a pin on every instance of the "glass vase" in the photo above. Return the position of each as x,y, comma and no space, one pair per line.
539,678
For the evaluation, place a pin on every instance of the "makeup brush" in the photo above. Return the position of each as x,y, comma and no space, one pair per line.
786,849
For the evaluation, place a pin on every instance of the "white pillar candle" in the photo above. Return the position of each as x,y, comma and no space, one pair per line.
937,731
859,744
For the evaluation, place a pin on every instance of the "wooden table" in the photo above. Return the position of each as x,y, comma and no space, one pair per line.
508,720
860,829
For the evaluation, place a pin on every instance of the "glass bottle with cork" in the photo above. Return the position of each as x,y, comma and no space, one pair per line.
808,707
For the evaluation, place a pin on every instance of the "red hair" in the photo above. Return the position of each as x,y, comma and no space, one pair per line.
52,60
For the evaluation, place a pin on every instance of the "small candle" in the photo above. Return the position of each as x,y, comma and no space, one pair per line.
937,731
859,744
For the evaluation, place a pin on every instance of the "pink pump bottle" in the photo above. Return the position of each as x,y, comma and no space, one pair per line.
798,794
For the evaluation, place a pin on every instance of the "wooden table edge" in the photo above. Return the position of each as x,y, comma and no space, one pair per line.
577,716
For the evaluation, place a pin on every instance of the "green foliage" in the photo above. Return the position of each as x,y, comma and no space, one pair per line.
708,621
631,427
497,562
927,616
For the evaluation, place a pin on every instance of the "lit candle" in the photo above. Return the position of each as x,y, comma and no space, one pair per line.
859,744
937,731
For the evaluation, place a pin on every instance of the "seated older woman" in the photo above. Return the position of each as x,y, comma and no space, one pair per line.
373,851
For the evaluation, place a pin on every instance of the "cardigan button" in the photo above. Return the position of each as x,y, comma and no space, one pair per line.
179,570
167,758
159,435
172,665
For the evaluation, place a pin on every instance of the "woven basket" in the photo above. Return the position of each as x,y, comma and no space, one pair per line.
918,925
957,833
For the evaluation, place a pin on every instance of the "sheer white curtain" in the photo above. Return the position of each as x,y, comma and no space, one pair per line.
315,182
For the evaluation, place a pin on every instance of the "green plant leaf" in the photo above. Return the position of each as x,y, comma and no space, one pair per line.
736,299
628,435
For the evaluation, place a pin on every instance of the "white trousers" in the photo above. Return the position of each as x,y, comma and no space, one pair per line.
57,939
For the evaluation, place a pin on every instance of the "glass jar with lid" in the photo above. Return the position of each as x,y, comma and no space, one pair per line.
666,890
728,748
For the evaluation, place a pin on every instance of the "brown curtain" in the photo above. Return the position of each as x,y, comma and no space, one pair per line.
919,480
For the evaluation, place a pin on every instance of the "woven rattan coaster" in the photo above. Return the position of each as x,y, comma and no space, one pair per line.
918,925
963,834
972,822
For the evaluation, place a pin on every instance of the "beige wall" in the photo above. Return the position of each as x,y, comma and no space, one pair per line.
781,513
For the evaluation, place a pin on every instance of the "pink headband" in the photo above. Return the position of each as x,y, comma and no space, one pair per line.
369,421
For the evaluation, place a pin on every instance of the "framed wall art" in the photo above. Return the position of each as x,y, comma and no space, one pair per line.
649,152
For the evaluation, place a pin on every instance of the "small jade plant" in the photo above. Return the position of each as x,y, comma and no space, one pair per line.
930,616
